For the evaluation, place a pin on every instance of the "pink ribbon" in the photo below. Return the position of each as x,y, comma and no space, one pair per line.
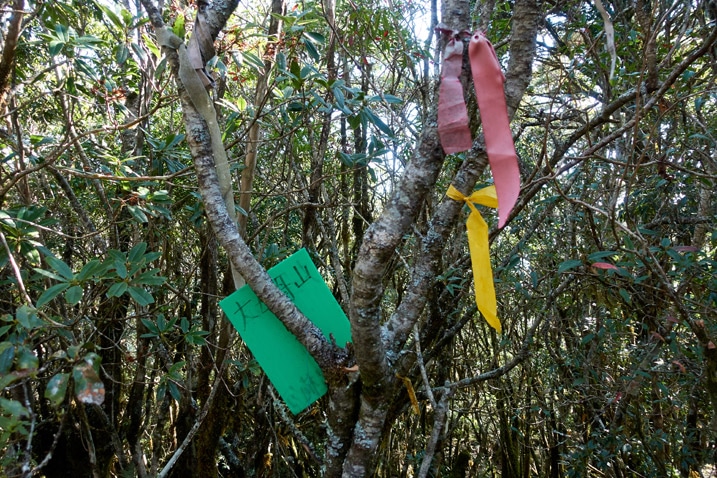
452,114
453,128
488,81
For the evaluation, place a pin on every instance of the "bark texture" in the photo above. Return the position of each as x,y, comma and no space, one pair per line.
376,345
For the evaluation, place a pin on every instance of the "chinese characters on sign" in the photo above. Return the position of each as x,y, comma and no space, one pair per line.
291,369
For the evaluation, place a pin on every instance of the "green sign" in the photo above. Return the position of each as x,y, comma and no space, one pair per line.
291,369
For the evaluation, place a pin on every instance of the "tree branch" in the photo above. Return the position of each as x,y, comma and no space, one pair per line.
327,355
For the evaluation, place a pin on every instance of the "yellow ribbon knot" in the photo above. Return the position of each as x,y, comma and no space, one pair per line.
478,246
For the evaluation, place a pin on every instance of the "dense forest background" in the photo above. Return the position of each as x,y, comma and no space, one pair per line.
122,226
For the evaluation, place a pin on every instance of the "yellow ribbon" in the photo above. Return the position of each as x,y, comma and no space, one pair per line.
478,246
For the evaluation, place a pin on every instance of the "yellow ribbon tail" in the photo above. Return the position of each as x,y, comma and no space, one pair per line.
478,246
482,272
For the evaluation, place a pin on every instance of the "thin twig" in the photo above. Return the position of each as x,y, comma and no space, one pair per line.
422,366
439,421
16,270
283,412
195,428
48,456
31,432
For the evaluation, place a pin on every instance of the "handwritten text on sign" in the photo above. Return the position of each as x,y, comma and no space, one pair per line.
291,369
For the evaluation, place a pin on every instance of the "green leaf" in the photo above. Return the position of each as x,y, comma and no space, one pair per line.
254,60
241,103
568,265
27,317
178,27
92,268
317,38
55,47
161,390
281,61
311,50
151,45
174,391
121,268
137,252
284,18
7,357
353,160
126,17
110,14
394,100
295,106
295,70
139,51
151,256
340,100
73,351
138,213
88,386
26,359
306,71
587,338
699,103
57,389
161,323
117,289
371,116
13,407
116,256
596,256
141,296
6,380
135,267
122,53
88,41
73,295
196,337
151,326
62,32
162,195
175,368
49,274
149,278
354,121
60,267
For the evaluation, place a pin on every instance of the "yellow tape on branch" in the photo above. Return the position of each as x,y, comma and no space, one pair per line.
480,256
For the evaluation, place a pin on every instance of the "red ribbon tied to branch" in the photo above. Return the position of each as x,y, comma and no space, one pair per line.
453,129
452,114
